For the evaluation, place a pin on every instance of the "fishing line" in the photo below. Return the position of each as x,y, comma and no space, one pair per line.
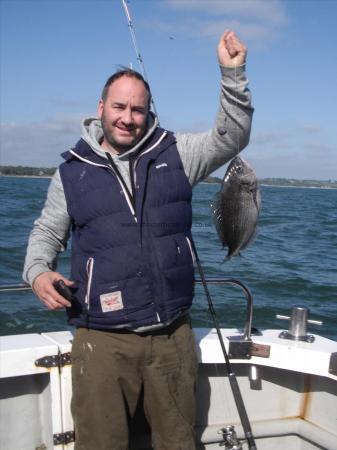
236,106
236,121
231,375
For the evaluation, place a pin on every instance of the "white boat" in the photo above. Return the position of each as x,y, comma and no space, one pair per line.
288,384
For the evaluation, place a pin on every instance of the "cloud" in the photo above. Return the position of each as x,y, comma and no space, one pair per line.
257,21
321,149
269,138
67,104
199,126
309,129
271,11
287,137
251,31
299,152
38,143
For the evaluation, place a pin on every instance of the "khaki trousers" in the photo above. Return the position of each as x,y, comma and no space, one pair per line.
111,369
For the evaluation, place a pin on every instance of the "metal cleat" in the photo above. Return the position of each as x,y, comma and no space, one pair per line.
298,325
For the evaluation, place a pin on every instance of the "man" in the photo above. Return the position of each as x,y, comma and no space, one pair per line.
124,191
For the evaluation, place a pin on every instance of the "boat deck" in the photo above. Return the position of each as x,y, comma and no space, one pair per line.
289,390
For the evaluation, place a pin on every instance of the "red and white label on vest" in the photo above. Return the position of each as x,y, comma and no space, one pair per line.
111,301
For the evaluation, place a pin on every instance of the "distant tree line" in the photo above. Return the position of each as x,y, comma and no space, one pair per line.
286,182
298,183
27,171
212,180
49,171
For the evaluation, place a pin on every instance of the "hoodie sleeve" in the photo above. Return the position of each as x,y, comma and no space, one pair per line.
50,233
203,153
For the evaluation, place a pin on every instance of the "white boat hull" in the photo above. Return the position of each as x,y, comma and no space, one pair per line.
291,403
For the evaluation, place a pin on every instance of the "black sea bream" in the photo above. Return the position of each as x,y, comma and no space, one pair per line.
236,207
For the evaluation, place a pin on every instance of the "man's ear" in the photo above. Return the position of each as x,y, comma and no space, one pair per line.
100,108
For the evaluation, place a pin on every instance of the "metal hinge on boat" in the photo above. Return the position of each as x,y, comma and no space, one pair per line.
246,349
64,438
60,360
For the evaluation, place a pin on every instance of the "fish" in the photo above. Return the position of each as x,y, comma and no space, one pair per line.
236,207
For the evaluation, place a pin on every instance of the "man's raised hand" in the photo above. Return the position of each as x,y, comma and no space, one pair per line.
231,51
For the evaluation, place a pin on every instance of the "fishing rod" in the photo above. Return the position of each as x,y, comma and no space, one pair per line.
231,375
138,55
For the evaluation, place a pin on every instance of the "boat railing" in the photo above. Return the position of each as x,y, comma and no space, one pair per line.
249,309
249,298
15,287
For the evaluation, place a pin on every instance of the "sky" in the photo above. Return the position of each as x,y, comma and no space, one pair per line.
55,56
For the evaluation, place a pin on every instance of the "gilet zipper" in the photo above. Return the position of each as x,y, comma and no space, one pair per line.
90,268
194,259
130,197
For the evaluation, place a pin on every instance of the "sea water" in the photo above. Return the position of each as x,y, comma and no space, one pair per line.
292,261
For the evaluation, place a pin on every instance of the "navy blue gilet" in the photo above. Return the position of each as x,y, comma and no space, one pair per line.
132,255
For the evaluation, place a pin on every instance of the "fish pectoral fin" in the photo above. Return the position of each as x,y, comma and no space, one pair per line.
258,201
250,240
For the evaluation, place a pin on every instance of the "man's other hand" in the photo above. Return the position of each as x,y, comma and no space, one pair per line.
43,286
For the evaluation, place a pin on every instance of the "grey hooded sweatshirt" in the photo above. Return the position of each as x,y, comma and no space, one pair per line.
200,154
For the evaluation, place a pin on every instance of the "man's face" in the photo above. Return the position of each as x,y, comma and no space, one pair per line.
124,114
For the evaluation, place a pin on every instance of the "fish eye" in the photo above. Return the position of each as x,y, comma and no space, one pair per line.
239,168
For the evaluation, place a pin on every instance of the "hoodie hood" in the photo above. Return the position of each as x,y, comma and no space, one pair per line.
92,133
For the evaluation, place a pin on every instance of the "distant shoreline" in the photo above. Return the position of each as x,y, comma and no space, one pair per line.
297,186
202,182
26,176
48,172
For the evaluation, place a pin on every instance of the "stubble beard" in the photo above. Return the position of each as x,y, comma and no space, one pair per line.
117,146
